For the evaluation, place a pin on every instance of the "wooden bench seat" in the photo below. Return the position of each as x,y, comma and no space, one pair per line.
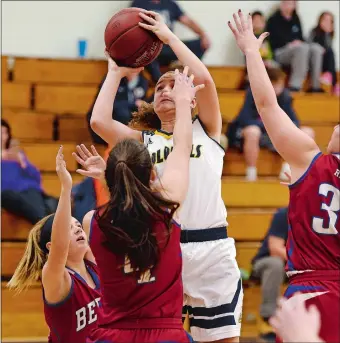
13,227
16,95
28,125
64,99
54,71
310,108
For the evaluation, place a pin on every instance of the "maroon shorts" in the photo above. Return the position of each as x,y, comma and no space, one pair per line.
327,285
155,331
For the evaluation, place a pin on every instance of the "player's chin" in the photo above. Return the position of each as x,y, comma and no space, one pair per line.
165,108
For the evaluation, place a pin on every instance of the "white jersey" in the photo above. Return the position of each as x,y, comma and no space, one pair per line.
203,206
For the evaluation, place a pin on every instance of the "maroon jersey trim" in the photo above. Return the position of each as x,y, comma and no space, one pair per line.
306,172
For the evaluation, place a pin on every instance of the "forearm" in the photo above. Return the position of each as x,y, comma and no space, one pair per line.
279,252
188,58
182,135
102,110
60,237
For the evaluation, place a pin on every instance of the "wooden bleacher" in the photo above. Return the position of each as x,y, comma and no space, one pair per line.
45,102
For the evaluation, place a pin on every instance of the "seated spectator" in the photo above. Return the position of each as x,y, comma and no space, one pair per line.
268,266
171,13
290,49
21,191
130,94
323,35
247,131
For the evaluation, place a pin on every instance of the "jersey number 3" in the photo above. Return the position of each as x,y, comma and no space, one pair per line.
332,209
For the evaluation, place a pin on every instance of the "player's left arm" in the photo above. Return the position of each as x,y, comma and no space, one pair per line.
207,99
87,228
296,147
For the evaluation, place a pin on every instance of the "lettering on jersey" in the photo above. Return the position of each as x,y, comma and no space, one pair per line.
162,154
145,277
337,173
87,314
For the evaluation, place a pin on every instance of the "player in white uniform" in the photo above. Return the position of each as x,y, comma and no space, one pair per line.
212,283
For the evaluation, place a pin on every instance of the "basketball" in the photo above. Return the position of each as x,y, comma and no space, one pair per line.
127,43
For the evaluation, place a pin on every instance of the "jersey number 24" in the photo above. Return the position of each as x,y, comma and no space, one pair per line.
332,210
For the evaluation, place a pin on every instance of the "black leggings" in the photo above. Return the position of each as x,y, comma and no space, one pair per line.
29,204
329,64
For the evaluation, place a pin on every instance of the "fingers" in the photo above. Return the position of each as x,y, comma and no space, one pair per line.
152,13
146,27
84,172
263,36
250,22
81,153
232,28
243,21
185,71
237,23
94,151
85,150
78,159
147,18
60,156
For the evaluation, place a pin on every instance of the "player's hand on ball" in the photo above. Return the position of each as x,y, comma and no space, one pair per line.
156,24
122,71
244,34
93,163
63,174
184,88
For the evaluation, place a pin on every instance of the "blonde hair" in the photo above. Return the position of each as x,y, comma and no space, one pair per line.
31,264
146,118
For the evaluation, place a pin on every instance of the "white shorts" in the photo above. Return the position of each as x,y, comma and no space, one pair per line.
213,293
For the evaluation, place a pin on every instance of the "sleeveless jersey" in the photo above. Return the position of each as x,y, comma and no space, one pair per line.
203,207
128,300
71,320
314,218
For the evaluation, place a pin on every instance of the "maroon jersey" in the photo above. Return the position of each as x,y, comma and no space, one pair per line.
71,320
314,217
155,299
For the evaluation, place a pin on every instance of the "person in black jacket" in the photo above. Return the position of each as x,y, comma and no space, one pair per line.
247,131
323,35
130,94
290,49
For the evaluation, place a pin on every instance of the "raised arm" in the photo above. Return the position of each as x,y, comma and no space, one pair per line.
101,120
55,279
207,99
297,148
175,179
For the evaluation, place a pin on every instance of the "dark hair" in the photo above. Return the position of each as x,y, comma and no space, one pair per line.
127,220
275,74
255,13
318,30
9,131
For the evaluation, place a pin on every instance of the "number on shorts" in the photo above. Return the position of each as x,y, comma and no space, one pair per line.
146,277
332,209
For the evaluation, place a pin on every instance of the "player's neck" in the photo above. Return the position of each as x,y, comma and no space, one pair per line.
168,126
77,265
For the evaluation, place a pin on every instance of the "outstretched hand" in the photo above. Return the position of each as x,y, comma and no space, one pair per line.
63,174
184,86
244,34
93,163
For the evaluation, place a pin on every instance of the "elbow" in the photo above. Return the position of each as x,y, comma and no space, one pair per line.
94,123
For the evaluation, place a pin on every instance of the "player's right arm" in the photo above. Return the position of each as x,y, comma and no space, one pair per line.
297,148
175,179
110,130
55,279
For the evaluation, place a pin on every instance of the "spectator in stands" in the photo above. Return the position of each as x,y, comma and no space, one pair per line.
268,266
172,12
290,49
21,191
131,93
247,131
323,35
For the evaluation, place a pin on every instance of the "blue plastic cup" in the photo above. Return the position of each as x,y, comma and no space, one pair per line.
82,48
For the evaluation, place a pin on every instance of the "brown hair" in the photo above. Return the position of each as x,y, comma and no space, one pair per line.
30,266
275,74
318,30
133,209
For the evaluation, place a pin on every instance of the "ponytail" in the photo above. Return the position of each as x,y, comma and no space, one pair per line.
127,221
30,266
